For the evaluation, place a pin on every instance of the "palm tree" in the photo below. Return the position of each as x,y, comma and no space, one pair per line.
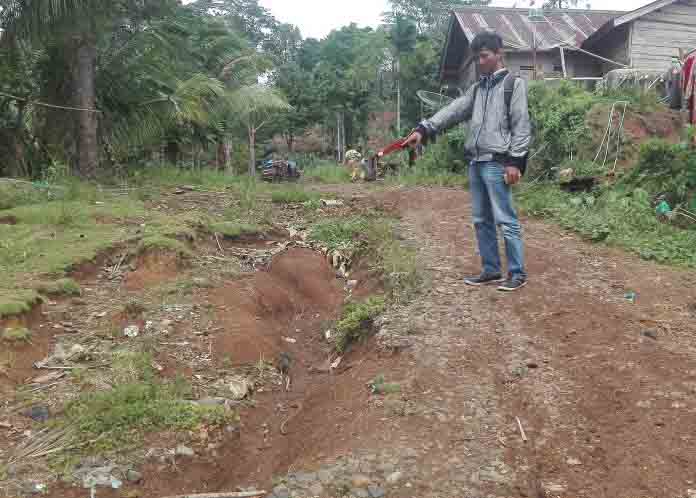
254,106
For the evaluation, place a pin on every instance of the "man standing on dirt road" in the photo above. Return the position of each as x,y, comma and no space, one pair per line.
499,137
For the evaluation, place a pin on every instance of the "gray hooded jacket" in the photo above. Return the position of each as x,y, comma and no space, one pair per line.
491,136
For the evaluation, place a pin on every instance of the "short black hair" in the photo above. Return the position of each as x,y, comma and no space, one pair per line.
488,40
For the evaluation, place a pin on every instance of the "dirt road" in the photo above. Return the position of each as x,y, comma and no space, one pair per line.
604,388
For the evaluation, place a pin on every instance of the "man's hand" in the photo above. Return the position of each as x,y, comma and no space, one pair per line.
414,138
512,175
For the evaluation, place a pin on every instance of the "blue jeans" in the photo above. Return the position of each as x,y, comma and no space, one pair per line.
492,206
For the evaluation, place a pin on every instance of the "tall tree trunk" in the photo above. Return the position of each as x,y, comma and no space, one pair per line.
290,139
252,151
86,98
398,97
172,153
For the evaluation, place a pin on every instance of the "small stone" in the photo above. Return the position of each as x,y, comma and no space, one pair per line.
316,490
375,491
324,476
305,478
651,334
360,481
555,488
134,476
394,477
182,450
77,353
359,493
238,387
149,325
281,492
202,282
573,461
38,413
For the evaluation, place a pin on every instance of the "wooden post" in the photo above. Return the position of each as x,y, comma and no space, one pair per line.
563,63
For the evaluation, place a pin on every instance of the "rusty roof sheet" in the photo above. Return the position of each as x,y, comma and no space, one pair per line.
571,27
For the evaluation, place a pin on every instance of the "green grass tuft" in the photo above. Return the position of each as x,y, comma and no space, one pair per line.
61,287
138,404
154,243
340,233
292,196
16,335
16,302
356,321
233,230
327,172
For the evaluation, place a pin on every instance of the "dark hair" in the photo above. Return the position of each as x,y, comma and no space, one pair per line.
487,40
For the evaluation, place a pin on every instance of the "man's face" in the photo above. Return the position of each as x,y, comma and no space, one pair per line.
488,61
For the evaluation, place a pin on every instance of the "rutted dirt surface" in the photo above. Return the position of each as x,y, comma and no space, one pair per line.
604,388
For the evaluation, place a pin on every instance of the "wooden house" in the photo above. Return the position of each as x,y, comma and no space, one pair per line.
572,43
647,38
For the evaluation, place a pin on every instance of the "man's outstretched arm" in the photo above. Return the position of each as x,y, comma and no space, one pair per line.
456,112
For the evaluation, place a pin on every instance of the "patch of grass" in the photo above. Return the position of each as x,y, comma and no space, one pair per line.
13,194
169,176
327,172
340,233
356,321
618,217
138,404
158,242
16,302
60,287
396,262
292,196
233,229
380,386
16,335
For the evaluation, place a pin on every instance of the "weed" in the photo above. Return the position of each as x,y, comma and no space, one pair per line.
380,386
61,287
17,335
163,243
17,302
340,233
356,321
134,308
396,262
292,196
136,405
227,362
620,217
327,172
233,230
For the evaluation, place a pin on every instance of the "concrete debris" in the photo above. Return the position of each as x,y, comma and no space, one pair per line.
331,203
290,340
236,387
182,450
131,331
336,363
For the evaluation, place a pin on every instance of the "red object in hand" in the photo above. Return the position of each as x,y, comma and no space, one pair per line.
400,144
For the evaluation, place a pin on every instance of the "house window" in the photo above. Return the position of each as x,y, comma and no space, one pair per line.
526,68
557,69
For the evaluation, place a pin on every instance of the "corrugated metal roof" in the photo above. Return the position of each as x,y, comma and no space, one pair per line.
571,27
